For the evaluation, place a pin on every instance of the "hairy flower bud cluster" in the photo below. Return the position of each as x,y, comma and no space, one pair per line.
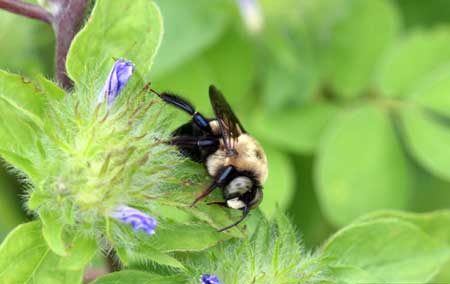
103,157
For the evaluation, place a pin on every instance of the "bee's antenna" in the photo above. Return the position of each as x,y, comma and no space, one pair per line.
245,212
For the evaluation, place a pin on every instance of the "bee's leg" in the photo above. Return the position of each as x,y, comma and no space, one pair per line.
187,141
204,193
182,104
221,179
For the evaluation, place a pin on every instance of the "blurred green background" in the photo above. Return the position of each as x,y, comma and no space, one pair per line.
350,98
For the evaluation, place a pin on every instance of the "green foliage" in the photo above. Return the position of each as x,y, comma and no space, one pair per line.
93,157
52,231
136,276
119,30
350,104
431,92
351,50
26,258
202,20
80,252
388,250
416,15
434,224
22,107
272,255
18,55
279,187
299,129
384,247
361,166
411,59
12,215
428,140
232,53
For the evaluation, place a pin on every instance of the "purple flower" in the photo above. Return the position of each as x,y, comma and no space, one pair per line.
116,81
209,279
251,14
137,219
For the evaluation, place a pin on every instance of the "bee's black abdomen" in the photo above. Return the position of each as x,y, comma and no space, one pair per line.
196,154
188,129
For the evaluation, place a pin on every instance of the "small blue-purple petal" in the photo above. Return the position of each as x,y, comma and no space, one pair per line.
116,81
252,14
137,219
209,279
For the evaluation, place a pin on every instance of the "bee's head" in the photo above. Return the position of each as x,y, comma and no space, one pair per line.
242,192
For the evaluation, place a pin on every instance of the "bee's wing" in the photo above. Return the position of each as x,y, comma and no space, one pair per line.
229,124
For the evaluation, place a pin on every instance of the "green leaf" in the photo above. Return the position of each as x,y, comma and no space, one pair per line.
279,187
418,13
361,166
80,252
134,247
19,94
393,251
229,64
429,192
218,217
435,224
428,141
144,253
290,69
411,59
272,255
22,107
52,230
50,88
179,237
37,198
281,85
296,129
115,29
352,274
432,91
25,258
190,27
18,161
135,276
351,50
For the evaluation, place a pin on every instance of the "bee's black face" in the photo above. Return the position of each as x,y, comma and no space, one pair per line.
241,192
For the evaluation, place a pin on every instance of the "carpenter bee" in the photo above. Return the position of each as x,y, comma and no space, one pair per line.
234,159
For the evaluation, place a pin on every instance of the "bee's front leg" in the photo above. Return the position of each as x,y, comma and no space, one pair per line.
220,180
184,105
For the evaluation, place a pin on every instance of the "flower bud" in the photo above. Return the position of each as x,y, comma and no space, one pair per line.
209,279
116,81
137,219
